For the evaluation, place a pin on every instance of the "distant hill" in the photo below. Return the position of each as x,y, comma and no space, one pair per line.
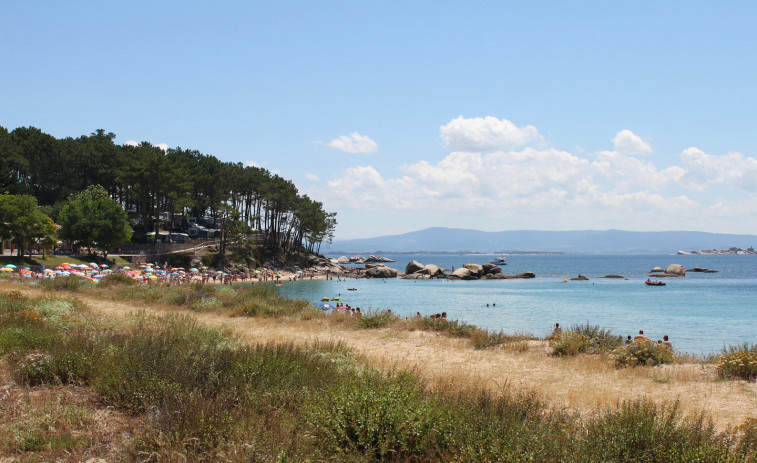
442,239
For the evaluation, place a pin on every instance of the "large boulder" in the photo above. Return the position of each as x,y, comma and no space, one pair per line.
676,269
460,274
382,271
413,266
416,276
343,260
432,270
475,269
657,270
491,269
373,258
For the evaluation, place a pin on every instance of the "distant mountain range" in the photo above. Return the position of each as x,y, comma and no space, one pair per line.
442,239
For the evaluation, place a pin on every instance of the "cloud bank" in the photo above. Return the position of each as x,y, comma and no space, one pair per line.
549,188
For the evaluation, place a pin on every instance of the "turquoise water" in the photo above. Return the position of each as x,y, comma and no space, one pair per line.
701,312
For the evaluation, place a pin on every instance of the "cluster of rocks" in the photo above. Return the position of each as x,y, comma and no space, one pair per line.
671,271
417,271
362,260
732,250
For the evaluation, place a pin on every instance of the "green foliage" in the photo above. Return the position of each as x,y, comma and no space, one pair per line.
739,362
374,319
150,181
568,343
381,417
92,219
584,338
71,283
22,221
642,431
642,352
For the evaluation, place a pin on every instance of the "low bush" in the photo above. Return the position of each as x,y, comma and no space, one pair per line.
600,339
641,352
71,283
568,343
374,319
381,418
738,362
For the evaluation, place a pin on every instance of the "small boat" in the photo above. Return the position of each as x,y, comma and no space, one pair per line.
334,298
351,289
654,283
499,260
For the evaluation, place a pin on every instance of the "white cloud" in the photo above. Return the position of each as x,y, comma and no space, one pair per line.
486,134
312,177
252,164
354,143
548,188
700,170
627,142
163,146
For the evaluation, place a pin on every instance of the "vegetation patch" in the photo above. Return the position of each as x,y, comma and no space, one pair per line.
642,352
738,362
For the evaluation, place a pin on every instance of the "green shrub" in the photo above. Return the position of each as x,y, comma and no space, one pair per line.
645,432
641,352
373,319
380,417
117,279
600,339
738,362
568,343
70,283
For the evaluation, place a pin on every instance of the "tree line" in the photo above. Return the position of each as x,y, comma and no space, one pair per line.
150,183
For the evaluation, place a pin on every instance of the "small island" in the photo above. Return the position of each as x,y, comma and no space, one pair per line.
729,251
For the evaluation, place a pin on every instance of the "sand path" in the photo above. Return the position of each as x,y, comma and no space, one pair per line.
584,383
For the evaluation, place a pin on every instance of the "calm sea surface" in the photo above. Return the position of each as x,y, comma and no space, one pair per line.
701,312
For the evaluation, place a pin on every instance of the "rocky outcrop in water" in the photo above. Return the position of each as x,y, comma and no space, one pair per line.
381,271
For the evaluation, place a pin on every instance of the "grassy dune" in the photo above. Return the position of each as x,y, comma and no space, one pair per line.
86,375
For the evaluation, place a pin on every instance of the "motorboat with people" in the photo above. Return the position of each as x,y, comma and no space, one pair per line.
499,260
654,282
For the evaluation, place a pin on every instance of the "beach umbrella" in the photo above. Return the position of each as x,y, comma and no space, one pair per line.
153,277
26,275
104,265
323,305
194,270
98,276
7,269
11,266
126,267
92,264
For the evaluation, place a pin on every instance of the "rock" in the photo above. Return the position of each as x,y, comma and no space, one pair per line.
613,276
494,276
657,270
579,278
710,271
413,266
702,270
475,269
416,276
343,260
382,271
675,269
665,275
521,275
373,258
491,269
460,274
432,270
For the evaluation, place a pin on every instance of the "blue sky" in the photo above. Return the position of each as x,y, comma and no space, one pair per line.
404,115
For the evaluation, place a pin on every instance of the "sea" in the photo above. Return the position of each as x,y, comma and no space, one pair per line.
701,313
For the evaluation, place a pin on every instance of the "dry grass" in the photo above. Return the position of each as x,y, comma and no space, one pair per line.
56,423
583,383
